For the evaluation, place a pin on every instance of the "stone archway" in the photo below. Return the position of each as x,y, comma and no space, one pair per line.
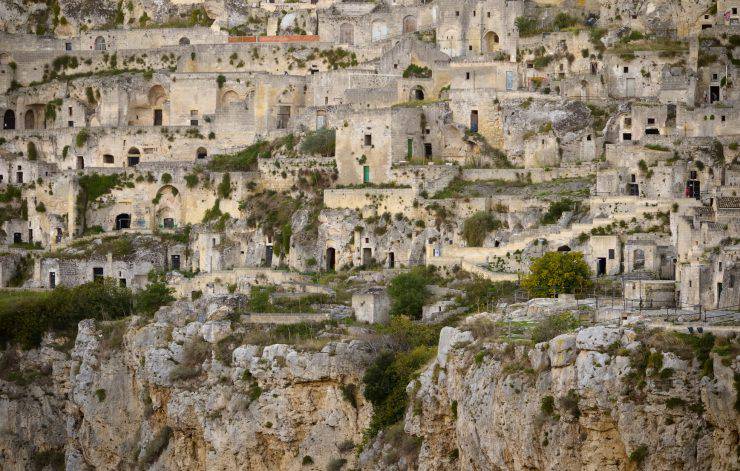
184,41
491,42
168,209
409,24
123,221
9,119
29,120
417,93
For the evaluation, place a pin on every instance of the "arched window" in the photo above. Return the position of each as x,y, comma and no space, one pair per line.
201,153
409,24
346,33
123,221
29,120
9,119
379,30
100,43
638,259
184,41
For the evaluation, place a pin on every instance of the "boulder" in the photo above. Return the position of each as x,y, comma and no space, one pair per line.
562,350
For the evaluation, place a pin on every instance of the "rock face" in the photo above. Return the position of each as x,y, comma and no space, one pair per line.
131,395
570,404
141,394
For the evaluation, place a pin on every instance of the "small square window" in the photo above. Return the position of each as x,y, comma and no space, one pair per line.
627,136
368,139
722,118
651,120
588,138
611,254
627,122
457,13
470,47
715,77
70,124
734,11
625,69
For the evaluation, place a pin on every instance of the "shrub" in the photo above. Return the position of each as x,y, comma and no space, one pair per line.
527,26
639,455
25,320
242,161
552,326
547,405
336,464
224,188
557,272
81,138
476,228
33,154
674,402
556,210
408,292
191,180
166,178
100,394
220,80
416,71
349,393
156,294
321,142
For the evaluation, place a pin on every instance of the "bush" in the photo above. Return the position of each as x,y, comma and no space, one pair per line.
81,138
33,154
336,464
476,228
639,455
556,210
242,161
552,326
408,292
25,320
321,142
557,272
416,71
156,294
547,405
527,26
224,188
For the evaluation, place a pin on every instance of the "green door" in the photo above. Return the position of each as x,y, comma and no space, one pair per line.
410,148
366,174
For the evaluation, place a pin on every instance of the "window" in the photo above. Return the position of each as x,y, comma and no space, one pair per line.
368,140
489,14
470,47
69,110
457,13
611,254
467,75
734,11
473,12
626,69
107,159
283,117
627,136
627,122
722,118
715,77
97,273
122,282
588,138
193,117
68,46
70,124
651,121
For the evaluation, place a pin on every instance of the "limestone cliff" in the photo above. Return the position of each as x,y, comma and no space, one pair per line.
604,398
155,395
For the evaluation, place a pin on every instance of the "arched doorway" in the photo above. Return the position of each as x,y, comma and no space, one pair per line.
330,258
201,153
490,42
29,120
409,24
123,221
134,157
100,43
184,41
417,93
346,34
157,97
9,119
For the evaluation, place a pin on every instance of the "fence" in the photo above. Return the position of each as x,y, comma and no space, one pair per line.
291,38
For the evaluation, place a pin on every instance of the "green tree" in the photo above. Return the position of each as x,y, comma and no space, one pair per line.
156,294
557,272
408,292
